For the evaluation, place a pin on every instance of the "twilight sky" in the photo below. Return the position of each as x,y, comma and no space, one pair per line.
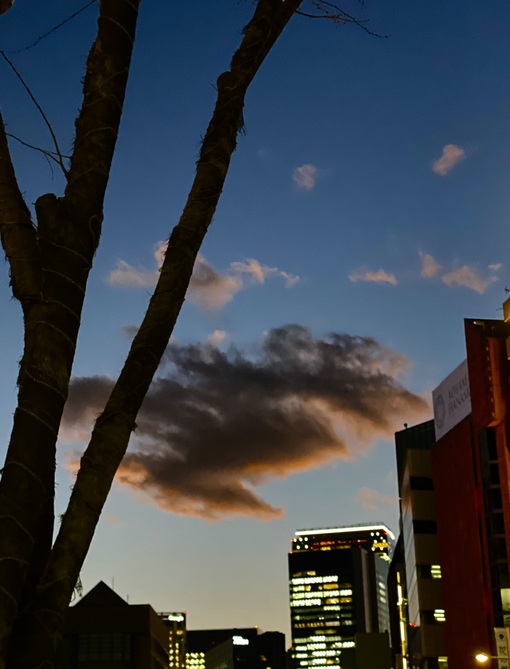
364,216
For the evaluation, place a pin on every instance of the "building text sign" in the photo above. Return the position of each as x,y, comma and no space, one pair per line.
452,400
502,655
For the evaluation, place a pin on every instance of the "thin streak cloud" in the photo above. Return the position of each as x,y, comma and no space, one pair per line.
373,276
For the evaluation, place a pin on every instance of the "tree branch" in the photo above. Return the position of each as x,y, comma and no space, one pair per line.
98,122
51,155
40,110
18,235
332,12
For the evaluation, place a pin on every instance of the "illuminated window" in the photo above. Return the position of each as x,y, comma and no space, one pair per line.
439,615
435,570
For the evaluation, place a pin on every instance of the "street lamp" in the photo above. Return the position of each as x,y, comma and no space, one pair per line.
482,658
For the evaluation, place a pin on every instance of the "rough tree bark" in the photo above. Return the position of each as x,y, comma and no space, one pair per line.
49,266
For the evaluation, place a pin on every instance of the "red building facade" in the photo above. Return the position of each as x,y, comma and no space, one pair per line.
471,467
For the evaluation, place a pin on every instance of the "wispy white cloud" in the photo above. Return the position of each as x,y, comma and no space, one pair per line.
373,276
429,266
305,176
469,276
260,273
451,156
208,288
126,275
465,276
216,338
372,499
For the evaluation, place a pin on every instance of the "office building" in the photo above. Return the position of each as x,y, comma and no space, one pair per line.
175,622
103,631
337,579
237,648
419,638
471,470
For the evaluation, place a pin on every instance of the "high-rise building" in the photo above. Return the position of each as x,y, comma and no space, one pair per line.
471,471
337,579
416,571
175,622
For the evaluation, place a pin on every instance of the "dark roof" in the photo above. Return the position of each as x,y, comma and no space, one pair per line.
101,596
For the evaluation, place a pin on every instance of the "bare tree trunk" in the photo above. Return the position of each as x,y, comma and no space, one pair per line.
113,428
49,267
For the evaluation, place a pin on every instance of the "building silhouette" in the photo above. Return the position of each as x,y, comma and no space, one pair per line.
103,631
418,633
337,579
236,648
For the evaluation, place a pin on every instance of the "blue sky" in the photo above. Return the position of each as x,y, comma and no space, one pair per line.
369,198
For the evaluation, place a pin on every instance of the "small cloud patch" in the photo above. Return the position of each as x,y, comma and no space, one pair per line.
429,266
469,276
305,176
451,156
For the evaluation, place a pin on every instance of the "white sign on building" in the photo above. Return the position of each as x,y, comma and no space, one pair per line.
451,400
501,638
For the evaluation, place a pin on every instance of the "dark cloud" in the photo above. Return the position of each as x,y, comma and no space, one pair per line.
216,424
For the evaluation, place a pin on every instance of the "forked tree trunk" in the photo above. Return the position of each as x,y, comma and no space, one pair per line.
40,623
49,267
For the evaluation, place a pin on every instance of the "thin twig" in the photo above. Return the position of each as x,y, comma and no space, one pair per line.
334,13
55,28
60,160
46,152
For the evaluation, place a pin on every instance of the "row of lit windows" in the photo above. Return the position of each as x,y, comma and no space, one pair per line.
315,661
319,592
314,579
315,593
333,642
311,623
338,595
331,664
318,653
305,588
